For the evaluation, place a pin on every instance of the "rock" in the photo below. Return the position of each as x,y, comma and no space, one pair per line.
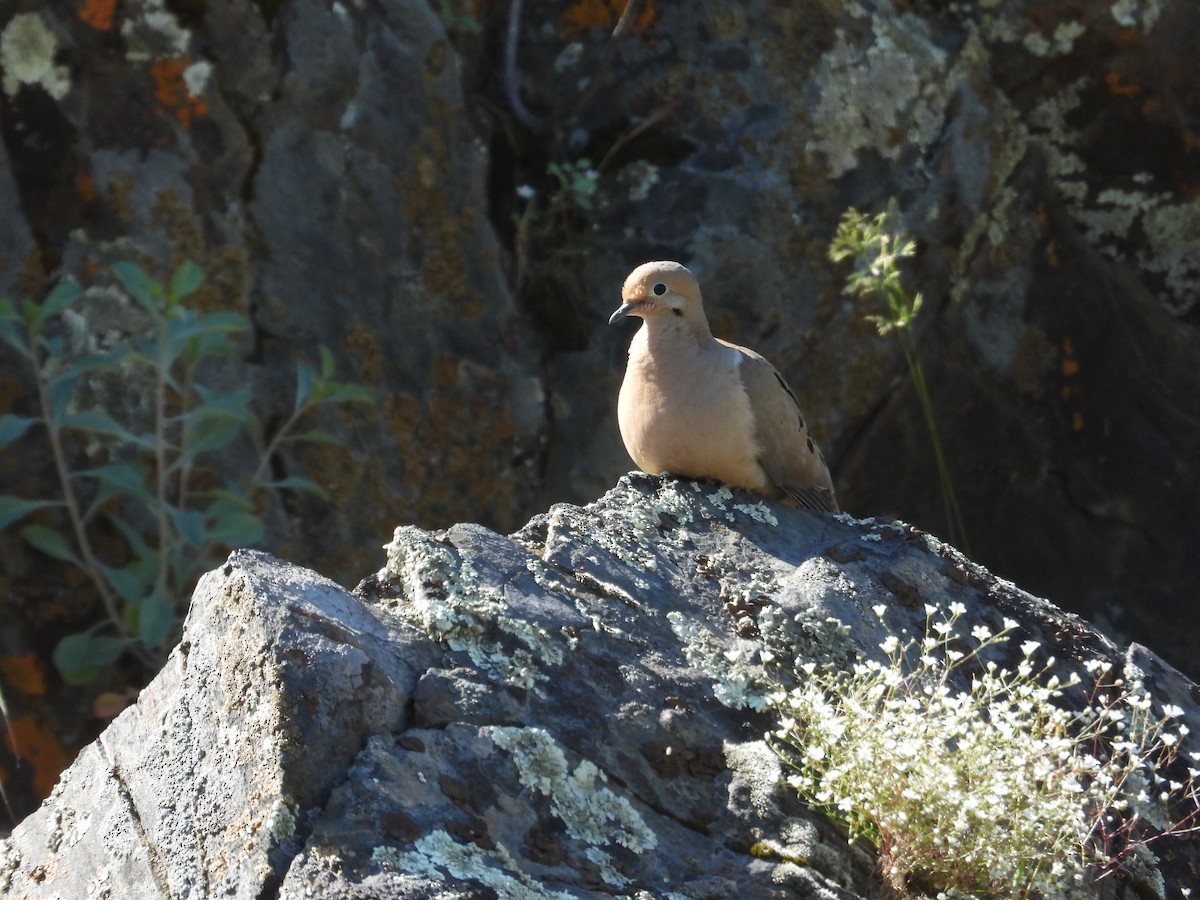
536,715
350,174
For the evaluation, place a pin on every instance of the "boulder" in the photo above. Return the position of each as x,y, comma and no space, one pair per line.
448,195
535,715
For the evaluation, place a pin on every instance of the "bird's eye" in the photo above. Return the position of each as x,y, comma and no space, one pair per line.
659,288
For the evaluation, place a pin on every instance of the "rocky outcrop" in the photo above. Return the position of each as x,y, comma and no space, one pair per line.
449,194
522,716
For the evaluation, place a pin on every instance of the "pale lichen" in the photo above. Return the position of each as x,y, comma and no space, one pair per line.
27,51
757,766
437,855
281,821
591,813
1141,14
151,32
895,86
735,683
448,601
1060,42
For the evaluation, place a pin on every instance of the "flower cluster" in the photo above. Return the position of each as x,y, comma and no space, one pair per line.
971,777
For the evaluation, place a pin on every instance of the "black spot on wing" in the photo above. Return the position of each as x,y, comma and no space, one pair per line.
820,499
787,390
783,384
811,447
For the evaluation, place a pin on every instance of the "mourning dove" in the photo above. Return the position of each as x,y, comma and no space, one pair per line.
696,406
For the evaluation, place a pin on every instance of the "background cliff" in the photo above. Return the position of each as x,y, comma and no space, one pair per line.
448,195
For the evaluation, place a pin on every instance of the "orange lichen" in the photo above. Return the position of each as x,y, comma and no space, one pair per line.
85,187
23,673
98,13
1069,368
171,92
586,14
1120,87
34,742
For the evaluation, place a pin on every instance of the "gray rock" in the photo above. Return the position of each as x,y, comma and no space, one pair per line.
539,715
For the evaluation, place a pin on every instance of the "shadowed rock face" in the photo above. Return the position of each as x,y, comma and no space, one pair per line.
347,174
538,715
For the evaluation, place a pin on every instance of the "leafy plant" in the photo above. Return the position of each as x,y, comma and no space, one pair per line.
876,245
147,483
458,16
992,789
577,183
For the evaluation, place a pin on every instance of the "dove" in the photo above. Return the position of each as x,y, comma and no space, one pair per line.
695,406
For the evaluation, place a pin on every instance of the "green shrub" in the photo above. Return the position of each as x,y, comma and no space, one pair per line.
145,481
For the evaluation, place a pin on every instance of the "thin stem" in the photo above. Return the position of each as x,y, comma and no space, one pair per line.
954,520
275,441
511,85
160,457
91,563
185,470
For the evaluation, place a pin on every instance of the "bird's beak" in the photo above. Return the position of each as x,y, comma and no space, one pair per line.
624,310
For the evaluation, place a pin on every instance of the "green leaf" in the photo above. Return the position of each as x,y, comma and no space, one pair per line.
118,480
141,287
13,427
305,375
60,390
186,280
236,529
336,392
195,337
96,421
52,347
32,314
131,586
210,433
50,542
297,483
13,509
328,364
231,403
156,618
8,312
13,334
236,500
310,437
136,540
189,525
61,297
80,657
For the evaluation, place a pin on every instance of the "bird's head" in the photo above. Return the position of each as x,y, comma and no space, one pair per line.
661,289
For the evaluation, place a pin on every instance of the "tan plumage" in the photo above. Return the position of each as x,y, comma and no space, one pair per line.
700,407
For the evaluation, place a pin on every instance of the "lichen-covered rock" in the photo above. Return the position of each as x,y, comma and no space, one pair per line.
449,196
549,714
